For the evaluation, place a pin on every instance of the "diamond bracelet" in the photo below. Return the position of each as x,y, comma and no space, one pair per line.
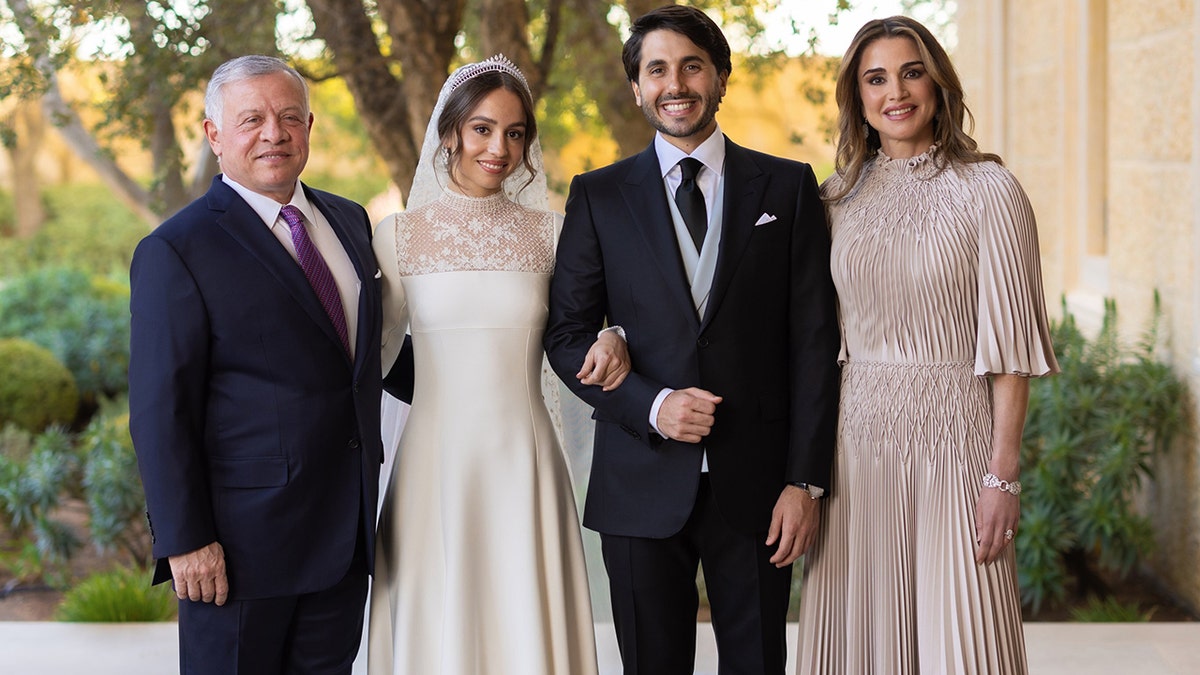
992,481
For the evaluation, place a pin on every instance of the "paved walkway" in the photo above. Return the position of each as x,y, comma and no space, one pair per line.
50,648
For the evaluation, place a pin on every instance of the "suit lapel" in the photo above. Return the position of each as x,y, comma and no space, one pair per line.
244,226
745,185
646,200
363,258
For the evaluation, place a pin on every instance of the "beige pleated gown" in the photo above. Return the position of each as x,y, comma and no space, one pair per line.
939,285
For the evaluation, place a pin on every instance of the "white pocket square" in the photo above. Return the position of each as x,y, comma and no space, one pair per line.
378,273
764,219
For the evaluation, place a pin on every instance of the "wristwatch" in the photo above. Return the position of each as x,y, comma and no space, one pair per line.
813,491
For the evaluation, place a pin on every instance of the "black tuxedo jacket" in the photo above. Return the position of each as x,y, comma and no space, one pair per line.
767,343
252,426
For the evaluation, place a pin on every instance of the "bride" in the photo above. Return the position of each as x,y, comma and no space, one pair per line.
479,567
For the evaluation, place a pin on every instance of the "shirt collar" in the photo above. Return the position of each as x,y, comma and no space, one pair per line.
711,152
266,207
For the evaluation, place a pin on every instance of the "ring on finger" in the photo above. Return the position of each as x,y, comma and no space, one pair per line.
1008,534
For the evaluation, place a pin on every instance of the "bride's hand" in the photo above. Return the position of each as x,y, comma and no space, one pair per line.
607,362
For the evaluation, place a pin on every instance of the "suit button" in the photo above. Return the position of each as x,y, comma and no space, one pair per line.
354,444
702,342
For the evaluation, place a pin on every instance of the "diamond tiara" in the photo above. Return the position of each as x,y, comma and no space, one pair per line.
499,63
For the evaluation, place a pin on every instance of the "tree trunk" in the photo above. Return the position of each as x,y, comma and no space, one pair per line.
507,32
81,141
394,111
78,138
606,83
29,128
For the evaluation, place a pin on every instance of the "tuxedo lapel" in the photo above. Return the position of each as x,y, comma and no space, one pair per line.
646,200
745,185
244,226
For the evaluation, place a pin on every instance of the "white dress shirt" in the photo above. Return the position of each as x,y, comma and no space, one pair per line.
322,236
698,265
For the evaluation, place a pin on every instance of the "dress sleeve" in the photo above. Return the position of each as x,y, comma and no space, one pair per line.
1013,334
395,303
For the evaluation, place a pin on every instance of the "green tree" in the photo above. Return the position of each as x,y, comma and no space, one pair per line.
392,54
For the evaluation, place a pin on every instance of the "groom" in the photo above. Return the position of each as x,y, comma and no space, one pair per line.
714,261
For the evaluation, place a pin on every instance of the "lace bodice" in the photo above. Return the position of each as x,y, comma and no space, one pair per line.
458,233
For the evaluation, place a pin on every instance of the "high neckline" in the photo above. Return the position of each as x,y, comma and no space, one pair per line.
469,203
917,164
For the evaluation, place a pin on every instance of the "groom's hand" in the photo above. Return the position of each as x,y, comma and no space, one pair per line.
794,524
687,414
200,575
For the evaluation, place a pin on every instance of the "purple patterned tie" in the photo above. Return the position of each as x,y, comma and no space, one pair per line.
317,272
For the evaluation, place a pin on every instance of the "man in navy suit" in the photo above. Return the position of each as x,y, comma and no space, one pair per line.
254,393
714,261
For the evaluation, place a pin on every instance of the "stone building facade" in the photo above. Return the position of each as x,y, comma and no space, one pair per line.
1095,106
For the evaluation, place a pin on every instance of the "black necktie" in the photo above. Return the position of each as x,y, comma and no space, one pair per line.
690,201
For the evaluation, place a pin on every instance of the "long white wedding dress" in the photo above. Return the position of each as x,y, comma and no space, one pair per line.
479,565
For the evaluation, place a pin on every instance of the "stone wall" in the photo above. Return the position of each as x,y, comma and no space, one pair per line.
1095,106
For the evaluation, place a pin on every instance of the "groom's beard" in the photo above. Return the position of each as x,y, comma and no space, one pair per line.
681,128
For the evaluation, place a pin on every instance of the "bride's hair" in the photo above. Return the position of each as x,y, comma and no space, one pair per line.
466,96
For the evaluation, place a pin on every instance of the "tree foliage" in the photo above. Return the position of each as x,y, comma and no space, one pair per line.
393,55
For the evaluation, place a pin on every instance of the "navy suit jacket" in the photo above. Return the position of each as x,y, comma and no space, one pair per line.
252,426
767,343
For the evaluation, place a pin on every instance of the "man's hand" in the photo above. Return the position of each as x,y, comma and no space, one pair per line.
200,575
687,414
794,523
607,362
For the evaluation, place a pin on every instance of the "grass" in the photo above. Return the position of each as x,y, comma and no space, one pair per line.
119,595
1110,610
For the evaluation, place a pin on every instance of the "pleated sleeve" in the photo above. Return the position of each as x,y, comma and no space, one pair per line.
831,186
1013,333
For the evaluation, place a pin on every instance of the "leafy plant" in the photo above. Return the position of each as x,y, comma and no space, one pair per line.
1090,435
112,485
29,492
119,595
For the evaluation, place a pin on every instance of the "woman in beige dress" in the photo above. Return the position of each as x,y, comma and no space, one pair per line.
479,568
935,258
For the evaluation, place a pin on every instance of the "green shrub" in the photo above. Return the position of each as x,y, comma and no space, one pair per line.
1090,435
86,228
112,485
119,595
1110,610
35,389
81,320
